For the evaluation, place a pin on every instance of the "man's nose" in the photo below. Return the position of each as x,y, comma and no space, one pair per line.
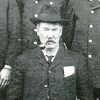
50,34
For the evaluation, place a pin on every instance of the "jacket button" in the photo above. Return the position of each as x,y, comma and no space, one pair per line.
19,39
91,26
99,0
36,2
51,3
90,41
45,86
35,42
49,71
90,56
92,12
90,0
36,15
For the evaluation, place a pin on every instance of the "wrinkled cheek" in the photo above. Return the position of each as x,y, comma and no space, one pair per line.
43,40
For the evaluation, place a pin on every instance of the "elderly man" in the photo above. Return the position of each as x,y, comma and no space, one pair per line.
50,71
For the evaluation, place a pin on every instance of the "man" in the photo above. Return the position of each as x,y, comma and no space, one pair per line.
50,71
9,41
87,39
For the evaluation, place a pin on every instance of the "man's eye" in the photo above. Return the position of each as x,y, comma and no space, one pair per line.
45,29
54,29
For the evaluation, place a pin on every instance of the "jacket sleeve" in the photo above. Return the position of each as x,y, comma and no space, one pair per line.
14,32
82,80
15,89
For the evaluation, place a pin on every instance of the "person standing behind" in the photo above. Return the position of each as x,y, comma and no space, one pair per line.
87,39
10,41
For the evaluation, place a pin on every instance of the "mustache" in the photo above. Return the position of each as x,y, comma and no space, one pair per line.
50,41
42,46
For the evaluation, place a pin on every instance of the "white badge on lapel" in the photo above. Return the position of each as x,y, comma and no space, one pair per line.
69,70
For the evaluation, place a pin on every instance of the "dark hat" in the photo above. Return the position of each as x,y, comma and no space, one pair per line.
49,14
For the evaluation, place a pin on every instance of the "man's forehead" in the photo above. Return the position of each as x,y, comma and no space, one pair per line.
49,25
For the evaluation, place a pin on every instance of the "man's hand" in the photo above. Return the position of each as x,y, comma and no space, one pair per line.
4,77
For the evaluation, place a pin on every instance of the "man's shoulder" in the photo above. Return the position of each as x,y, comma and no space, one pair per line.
69,52
29,54
75,59
72,52
75,55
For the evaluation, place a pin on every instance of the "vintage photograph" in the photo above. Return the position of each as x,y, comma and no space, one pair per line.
49,49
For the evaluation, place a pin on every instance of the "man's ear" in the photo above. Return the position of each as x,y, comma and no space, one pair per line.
61,30
37,28
62,27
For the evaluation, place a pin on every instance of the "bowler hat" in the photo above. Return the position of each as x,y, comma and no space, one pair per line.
49,14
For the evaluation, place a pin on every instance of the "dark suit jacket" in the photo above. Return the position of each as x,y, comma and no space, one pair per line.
9,32
32,79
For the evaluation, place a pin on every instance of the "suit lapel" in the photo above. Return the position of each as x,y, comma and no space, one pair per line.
58,58
41,57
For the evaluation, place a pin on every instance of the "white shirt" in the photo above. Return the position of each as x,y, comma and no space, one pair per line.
53,54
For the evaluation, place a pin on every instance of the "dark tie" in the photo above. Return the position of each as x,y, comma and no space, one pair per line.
49,59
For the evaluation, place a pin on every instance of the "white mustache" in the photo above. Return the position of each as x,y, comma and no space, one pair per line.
42,45
50,41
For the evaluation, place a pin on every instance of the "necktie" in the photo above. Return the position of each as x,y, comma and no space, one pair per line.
49,59
49,64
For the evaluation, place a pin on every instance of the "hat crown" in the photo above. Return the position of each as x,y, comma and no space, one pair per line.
49,13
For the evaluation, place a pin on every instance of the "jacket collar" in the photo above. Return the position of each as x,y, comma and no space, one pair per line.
57,60
60,55
41,57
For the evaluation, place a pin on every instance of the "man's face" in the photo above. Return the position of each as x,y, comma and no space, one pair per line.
49,34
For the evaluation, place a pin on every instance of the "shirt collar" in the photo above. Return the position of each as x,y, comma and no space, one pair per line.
53,54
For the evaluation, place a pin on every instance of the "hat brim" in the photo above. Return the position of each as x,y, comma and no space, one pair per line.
35,21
